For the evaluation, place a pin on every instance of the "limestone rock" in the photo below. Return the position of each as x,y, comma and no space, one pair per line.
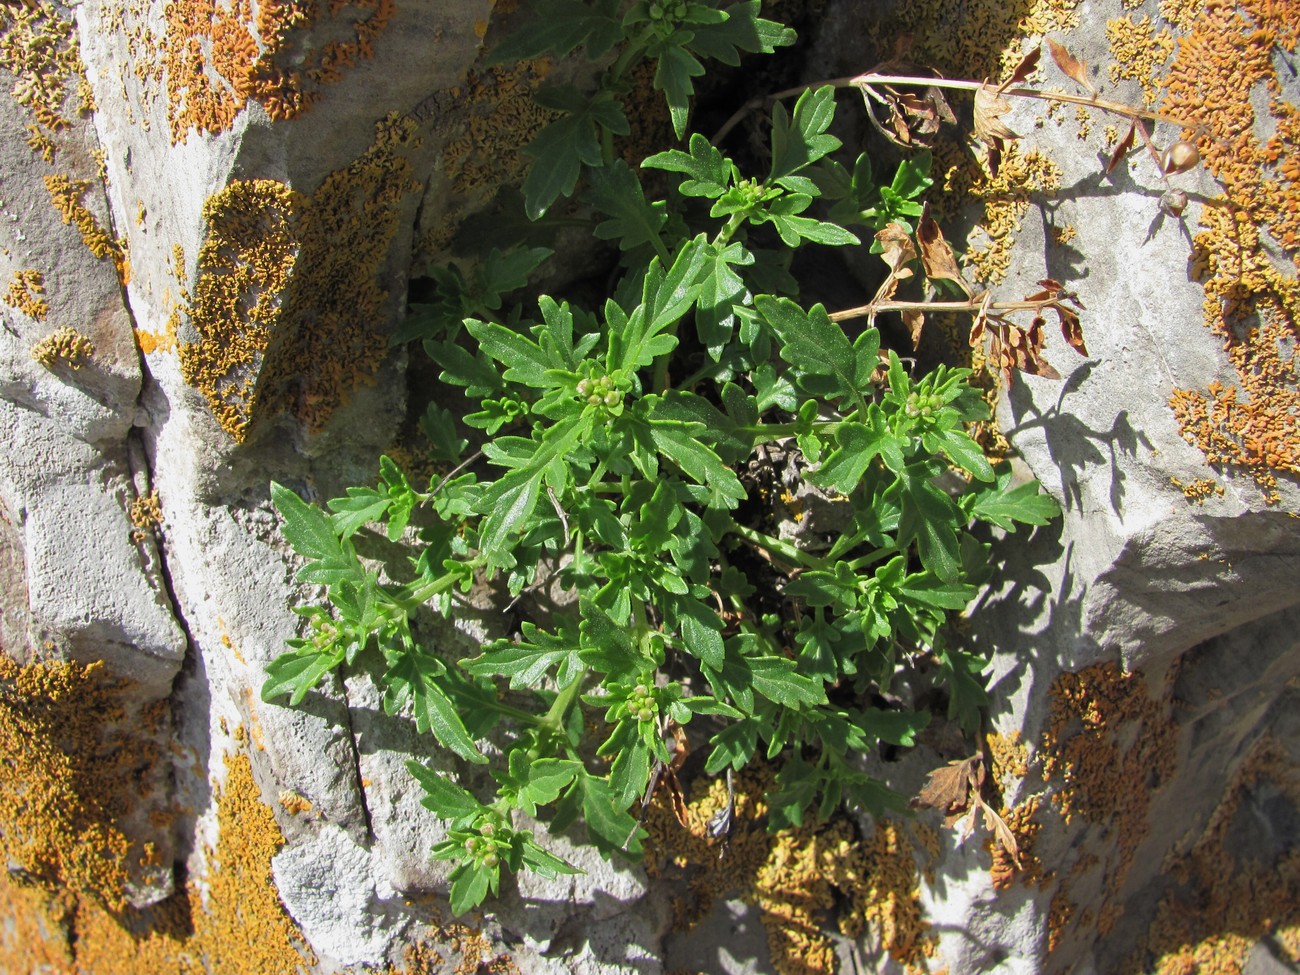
210,216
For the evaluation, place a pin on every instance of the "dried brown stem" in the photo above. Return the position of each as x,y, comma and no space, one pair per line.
868,79
972,305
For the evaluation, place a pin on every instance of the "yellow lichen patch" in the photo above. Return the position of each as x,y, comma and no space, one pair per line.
63,347
145,514
1225,900
287,305
797,877
216,55
475,953
39,48
1199,489
1252,302
67,194
496,115
243,272
71,766
1022,179
26,292
1140,53
1086,752
881,879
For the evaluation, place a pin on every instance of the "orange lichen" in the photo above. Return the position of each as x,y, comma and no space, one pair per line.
1226,901
797,877
39,48
215,56
231,924
244,267
287,301
67,195
72,765
1105,734
1252,300
26,292
63,347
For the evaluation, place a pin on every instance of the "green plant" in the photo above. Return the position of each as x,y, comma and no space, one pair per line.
628,449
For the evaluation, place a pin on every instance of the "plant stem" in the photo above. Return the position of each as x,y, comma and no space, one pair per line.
971,305
787,552
867,79
553,720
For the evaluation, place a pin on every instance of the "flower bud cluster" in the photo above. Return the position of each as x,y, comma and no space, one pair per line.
923,404
641,703
483,847
667,12
599,391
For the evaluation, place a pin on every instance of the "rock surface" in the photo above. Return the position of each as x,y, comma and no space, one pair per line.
227,203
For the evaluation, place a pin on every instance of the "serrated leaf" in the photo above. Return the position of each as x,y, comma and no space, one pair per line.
412,676
800,138
529,661
733,746
616,192
896,727
680,443
676,67
816,347
709,170
523,358
775,678
742,30
312,535
609,826
965,453
297,672
444,797
1006,505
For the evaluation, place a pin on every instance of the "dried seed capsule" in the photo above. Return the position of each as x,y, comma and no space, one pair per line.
1180,157
1173,203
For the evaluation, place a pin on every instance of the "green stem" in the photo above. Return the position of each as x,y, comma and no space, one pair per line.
553,720
769,432
414,598
780,548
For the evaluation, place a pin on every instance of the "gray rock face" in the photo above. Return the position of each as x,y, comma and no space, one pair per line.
271,182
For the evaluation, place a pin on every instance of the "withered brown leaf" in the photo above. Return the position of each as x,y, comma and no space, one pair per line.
1125,144
1028,64
950,787
896,249
1071,328
988,125
914,319
936,255
1067,62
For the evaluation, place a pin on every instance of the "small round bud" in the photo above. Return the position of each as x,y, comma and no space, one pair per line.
491,860
1180,157
584,387
487,829
471,844
593,400
612,398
